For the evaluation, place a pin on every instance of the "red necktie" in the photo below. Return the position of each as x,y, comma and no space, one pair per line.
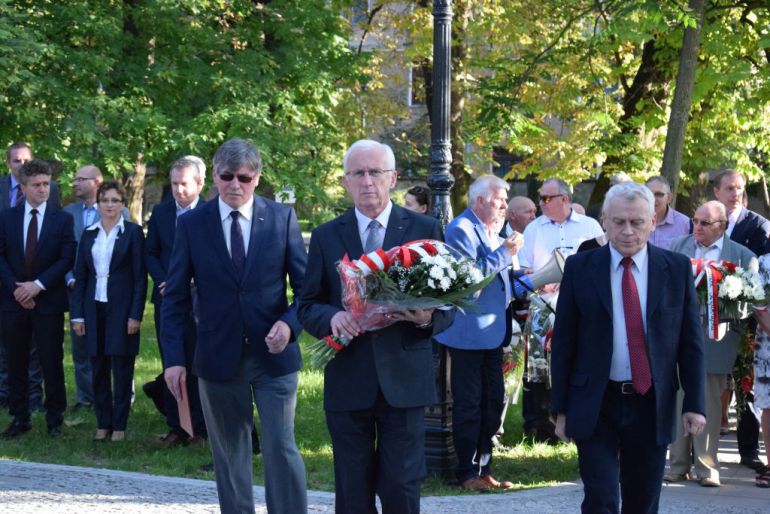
31,247
640,366
19,196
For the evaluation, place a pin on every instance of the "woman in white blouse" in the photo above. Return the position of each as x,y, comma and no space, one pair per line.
108,304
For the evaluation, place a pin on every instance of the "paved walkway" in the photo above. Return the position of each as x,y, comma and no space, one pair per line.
32,488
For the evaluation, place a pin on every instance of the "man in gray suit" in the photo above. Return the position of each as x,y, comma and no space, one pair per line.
708,241
84,213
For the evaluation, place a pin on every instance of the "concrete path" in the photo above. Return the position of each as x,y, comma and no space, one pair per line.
32,488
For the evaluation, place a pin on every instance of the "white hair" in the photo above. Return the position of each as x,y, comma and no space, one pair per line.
484,186
368,144
630,191
199,165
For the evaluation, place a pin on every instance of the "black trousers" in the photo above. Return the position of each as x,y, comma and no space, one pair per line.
380,451
19,330
170,410
113,376
478,392
535,405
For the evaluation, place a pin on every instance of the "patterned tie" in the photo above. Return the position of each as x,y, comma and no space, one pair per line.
237,250
373,239
19,196
31,247
640,366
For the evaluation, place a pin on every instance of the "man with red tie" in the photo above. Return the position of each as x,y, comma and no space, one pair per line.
626,321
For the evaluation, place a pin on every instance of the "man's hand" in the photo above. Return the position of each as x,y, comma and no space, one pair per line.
344,325
162,288
26,291
693,422
29,304
278,337
513,243
176,377
561,424
416,316
133,326
79,328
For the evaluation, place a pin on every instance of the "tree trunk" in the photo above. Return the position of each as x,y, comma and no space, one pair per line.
680,107
135,189
459,58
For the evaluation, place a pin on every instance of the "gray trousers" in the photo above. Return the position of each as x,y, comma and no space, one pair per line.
228,412
703,448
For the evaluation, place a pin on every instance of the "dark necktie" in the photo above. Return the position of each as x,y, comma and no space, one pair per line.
31,246
373,239
237,250
19,196
640,366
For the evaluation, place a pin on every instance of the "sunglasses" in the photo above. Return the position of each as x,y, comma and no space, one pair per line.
546,199
706,223
243,179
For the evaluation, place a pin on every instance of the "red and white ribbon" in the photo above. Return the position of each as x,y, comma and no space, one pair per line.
713,271
380,260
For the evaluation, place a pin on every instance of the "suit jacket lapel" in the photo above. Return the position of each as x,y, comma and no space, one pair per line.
657,278
347,229
398,223
218,238
120,249
601,277
260,218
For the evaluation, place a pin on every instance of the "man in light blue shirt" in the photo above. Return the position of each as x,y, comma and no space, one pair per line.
669,223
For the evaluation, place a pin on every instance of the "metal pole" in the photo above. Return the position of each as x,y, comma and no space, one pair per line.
440,179
439,449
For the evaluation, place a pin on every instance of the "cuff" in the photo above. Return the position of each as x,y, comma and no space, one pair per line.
40,285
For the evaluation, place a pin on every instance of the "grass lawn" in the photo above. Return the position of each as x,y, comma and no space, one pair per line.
523,463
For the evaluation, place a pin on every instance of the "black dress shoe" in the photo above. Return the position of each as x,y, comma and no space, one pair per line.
15,429
752,462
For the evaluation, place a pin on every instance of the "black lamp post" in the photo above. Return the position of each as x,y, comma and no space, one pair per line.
439,449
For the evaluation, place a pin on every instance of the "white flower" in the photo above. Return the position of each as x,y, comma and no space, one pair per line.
440,261
431,283
476,275
731,287
436,272
452,274
445,283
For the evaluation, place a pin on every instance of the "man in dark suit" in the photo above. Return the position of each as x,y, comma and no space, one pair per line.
375,390
751,230
186,178
37,249
239,250
626,322
84,214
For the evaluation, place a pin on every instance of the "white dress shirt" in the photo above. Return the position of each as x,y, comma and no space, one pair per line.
27,218
713,251
620,366
101,251
181,210
363,222
244,220
543,236
732,219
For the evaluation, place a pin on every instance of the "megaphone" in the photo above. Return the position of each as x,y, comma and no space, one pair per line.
550,273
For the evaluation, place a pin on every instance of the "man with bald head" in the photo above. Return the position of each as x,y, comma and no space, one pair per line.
84,213
708,241
520,212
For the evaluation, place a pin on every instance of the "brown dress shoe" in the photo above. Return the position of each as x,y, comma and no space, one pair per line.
118,435
475,484
505,485
101,434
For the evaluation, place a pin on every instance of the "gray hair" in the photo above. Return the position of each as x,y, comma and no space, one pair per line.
661,180
630,191
726,172
191,161
483,187
234,154
619,178
368,144
564,188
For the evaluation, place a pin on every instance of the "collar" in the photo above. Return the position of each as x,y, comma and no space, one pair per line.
668,219
719,243
40,209
639,258
572,217
190,207
93,206
98,226
246,210
383,217
14,182
733,218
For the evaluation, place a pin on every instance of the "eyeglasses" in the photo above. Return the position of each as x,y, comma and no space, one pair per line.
243,179
110,201
659,194
82,179
373,173
546,199
706,223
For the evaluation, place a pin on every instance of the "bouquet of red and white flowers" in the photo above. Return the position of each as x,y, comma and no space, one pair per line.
726,290
418,275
